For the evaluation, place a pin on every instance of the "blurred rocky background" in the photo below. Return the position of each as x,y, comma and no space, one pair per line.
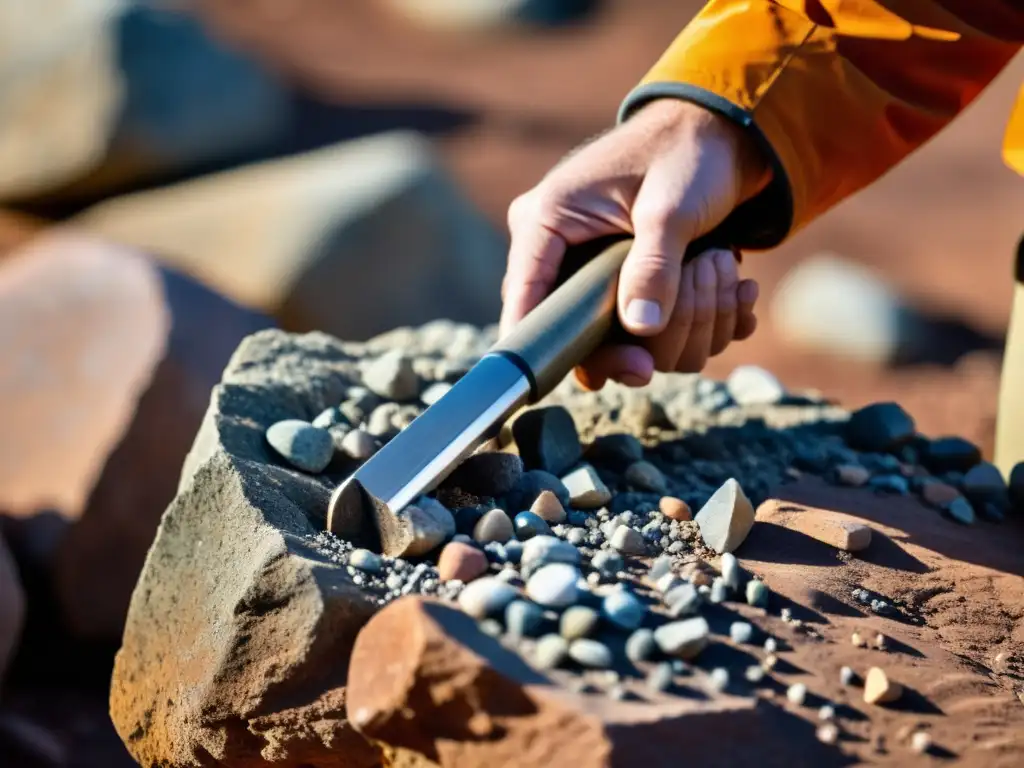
177,175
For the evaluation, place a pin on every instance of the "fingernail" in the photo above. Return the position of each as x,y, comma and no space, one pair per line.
643,313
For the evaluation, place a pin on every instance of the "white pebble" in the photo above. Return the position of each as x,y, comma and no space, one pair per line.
796,693
720,678
740,632
920,742
827,712
828,733
771,645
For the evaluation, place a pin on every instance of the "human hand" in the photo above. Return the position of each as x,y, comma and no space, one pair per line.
669,174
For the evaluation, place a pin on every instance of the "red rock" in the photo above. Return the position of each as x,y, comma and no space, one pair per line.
461,561
423,678
827,526
675,509
12,607
114,361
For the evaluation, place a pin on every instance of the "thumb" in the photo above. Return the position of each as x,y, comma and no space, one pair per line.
649,280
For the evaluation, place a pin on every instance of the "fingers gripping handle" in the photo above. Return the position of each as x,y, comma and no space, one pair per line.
577,316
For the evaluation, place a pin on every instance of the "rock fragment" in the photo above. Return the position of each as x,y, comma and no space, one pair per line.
486,597
488,474
392,377
628,541
726,518
544,550
548,508
646,477
853,475
586,489
939,494
590,653
365,560
623,610
359,445
523,619
301,444
753,385
531,485
617,449
551,651
641,645
578,621
554,586
424,527
547,439
950,454
493,526
880,428
683,639
984,484
961,511
879,689
461,561
675,509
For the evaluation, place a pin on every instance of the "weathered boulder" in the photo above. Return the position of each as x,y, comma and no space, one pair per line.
239,632
103,95
115,358
424,678
353,240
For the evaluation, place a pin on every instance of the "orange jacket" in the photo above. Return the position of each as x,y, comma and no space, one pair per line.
836,91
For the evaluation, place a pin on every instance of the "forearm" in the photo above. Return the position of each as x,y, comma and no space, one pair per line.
833,101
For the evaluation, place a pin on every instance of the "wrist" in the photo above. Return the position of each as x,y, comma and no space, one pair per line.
753,169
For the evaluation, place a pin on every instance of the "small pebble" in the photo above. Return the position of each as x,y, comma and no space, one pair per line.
853,475
301,444
590,653
857,640
719,590
771,645
544,550
513,551
493,526
548,508
392,376
646,477
757,593
847,676
741,632
659,568
753,385
880,641
660,678
576,537
554,585
586,489
435,392
628,541
961,511
640,646
527,525
365,560
754,673
491,627
683,600
623,610
786,614
577,621
731,572
879,689
769,662
920,742
486,596
719,678
827,712
608,563
827,733
551,651
797,693
463,562
675,509
330,417
523,618
684,639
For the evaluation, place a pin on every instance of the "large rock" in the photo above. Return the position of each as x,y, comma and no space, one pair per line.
112,362
424,678
352,240
61,93
111,94
12,607
240,628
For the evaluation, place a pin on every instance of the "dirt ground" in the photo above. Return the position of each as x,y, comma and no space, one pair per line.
942,226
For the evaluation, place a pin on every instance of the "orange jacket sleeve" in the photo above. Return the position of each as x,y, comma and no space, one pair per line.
836,92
